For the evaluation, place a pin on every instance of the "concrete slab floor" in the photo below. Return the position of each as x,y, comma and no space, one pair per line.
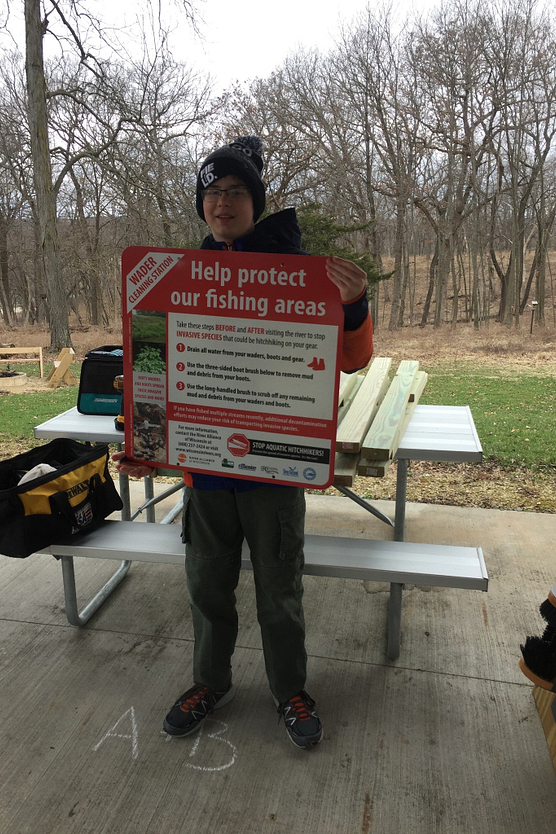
445,739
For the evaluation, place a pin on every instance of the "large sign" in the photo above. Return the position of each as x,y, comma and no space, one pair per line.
231,363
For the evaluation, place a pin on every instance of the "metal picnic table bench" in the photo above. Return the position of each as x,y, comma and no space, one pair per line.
435,433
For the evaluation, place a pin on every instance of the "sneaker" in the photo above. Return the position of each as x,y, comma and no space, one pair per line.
302,722
192,708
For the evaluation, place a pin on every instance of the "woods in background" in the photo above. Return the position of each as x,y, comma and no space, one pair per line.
431,137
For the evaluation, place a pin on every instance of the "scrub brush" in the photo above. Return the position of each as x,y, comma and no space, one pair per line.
548,608
539,653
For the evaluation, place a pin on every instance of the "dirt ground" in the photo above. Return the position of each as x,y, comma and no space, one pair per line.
514,348
485,485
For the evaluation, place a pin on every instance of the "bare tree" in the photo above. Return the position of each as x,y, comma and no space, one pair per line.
373,78
45,188
44,191
521,53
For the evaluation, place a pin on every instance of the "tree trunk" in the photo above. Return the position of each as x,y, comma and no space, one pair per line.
5,297
42,172
398,301
432,276
442,273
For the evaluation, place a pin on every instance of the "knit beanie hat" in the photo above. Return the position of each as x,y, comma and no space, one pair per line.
243,158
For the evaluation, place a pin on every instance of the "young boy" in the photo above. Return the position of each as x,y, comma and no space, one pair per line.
219,512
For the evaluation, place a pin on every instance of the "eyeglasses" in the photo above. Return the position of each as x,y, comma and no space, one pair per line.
212,195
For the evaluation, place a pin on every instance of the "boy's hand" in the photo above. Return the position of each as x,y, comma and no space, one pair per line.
126,467
350,279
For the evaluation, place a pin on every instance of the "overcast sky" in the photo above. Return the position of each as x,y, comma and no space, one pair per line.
239,41
248,39
251,38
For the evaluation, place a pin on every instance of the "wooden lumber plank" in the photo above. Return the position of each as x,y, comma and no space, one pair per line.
11,351
348,465
345,468
345,403
378,468
364,407
417,389
373,468
347,384
383,437
22,351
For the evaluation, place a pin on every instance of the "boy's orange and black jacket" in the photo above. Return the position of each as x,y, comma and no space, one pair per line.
280,234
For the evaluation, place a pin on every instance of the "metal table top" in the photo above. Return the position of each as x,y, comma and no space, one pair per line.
96,428
436,432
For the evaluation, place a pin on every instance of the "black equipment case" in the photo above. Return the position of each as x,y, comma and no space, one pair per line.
97,394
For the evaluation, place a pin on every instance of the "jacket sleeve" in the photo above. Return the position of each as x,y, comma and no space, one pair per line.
357,347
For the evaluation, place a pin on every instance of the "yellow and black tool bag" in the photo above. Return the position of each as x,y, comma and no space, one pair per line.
78,494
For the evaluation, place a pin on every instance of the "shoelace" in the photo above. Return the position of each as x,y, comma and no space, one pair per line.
194,700
298,706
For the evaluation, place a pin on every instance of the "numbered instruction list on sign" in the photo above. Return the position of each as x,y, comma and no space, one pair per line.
231,363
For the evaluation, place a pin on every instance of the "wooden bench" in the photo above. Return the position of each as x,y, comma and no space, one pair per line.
397,562
22,351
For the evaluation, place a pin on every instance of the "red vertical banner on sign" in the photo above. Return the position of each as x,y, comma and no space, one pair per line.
231,363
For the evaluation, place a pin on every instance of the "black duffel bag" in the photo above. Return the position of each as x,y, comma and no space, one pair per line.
76,496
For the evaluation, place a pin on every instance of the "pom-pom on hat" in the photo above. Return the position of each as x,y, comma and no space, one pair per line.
243,158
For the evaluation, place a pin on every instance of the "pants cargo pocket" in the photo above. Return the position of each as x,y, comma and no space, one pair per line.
291,521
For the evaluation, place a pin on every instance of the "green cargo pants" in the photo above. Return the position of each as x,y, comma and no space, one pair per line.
271,519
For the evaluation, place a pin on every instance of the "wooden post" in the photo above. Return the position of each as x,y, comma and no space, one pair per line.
60,371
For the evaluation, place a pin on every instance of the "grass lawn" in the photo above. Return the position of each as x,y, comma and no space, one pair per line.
21,412
514,412
513,409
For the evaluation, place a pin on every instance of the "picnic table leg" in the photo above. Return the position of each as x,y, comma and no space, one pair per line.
401,496
75,617
394,620
123,484
149,493
365,504
396,588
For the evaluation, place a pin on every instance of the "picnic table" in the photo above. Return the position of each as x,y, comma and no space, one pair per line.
434,433
444,433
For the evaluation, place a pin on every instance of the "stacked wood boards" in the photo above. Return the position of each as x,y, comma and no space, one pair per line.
364,406
382,442
373,416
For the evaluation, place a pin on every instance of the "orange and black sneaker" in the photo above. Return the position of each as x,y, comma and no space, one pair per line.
192,708
301,720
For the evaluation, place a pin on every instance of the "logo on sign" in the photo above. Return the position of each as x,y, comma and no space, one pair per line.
309,474
238,445
146,274
291,472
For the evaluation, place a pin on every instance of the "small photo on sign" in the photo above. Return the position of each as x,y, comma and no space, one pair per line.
149,432
149,341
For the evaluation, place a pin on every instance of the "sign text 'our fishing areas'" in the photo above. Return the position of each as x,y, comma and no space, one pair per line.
242,279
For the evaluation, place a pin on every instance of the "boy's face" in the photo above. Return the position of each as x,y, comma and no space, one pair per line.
229,219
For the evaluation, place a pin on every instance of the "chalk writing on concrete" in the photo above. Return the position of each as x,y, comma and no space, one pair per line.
200,745
132,735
